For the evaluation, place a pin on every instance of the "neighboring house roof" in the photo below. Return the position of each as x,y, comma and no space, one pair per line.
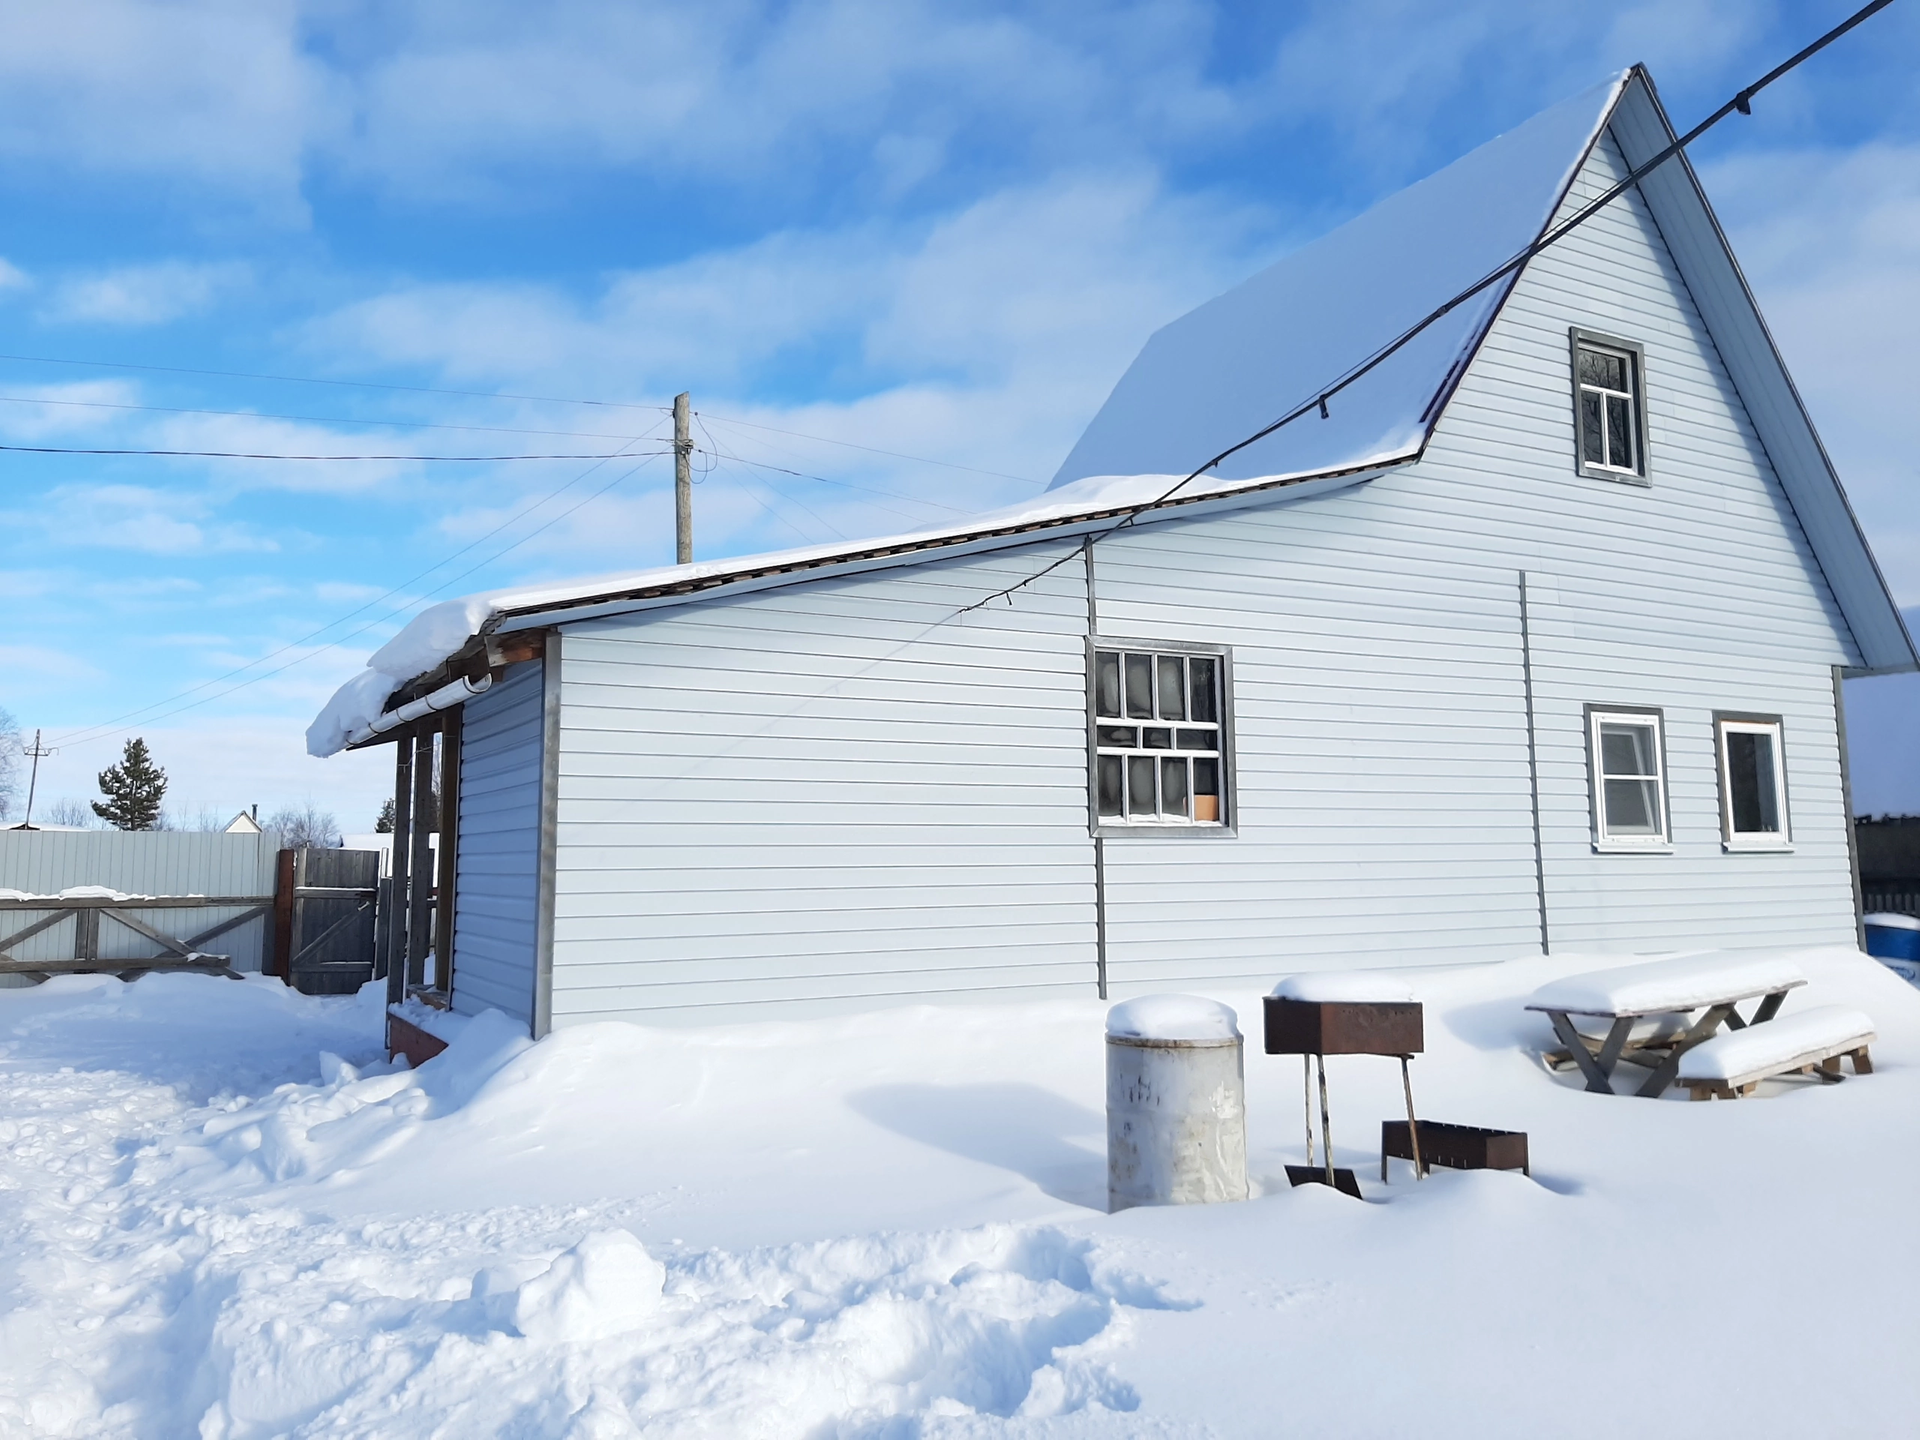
244,824
1211,378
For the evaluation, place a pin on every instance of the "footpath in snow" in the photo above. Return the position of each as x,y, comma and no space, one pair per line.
226,1217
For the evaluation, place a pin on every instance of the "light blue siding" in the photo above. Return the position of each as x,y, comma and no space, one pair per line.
825,796
497,888
846,792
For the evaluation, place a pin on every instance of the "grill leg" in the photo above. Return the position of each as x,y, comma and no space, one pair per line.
1413,1125
1326,1121
1306,1101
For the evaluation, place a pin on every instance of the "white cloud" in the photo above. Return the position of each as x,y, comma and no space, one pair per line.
45,663
1831,242
37,412
12,277
958,337
136,518
149,294
215,91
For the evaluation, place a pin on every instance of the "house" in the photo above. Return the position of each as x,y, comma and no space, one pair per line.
1533,642
245,823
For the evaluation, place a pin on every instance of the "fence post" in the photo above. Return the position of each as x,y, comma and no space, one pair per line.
283,917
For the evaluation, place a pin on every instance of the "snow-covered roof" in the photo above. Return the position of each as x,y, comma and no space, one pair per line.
1228,369
1210,379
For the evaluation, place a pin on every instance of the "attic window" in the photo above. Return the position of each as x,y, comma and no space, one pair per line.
1609,411
1160,737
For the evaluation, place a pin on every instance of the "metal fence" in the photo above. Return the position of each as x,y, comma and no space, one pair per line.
232,875
125,901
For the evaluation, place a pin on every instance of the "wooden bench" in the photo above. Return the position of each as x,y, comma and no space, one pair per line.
1813,1041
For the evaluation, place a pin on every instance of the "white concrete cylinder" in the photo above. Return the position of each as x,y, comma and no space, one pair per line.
1176,1103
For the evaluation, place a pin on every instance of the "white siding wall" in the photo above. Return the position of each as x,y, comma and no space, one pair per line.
837,793
142,862
496,885
1381,745
826,795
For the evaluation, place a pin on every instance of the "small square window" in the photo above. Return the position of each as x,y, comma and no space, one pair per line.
1626,753
1159,742
1753,782
1609,411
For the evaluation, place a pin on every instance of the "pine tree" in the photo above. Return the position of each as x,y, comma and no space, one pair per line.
384,824
133,788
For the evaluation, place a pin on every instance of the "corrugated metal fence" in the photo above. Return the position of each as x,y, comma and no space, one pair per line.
233,867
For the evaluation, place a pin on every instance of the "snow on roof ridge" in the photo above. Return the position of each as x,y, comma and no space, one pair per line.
1223,371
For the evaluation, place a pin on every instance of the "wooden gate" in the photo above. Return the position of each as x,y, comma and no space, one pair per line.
326,919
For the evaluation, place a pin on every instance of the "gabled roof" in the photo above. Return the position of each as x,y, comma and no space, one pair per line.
1720,293
1222,372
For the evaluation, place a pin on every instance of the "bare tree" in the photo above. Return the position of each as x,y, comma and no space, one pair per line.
67,811
204,819
10,764
304,827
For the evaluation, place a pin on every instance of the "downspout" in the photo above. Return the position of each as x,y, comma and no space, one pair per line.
1533,765
1099,845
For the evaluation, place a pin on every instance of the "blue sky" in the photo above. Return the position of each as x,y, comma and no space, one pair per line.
936,231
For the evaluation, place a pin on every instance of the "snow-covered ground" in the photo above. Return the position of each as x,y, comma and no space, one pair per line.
225,1217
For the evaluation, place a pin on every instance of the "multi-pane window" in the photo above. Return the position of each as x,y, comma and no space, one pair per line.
1607,399
1159,747
1753,784
1629,782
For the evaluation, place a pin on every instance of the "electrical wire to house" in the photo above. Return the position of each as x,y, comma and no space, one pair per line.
1320,400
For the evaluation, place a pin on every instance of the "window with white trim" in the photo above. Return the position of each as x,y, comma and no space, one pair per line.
1160,742
1627,757
1753,782
1608,414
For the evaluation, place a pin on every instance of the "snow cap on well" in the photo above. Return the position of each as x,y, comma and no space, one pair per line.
1172,1017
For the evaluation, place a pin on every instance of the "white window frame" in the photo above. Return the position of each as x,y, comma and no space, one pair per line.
1159,826
1603,839
1725,723
1635,396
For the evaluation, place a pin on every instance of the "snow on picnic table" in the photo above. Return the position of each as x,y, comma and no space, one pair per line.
226,1217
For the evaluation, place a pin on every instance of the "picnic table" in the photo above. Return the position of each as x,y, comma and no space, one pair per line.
1649,1008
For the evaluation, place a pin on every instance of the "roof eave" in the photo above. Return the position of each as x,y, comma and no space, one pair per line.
922,551
1759,373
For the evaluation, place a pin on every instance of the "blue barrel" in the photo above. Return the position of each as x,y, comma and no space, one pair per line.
1894,940
1893,937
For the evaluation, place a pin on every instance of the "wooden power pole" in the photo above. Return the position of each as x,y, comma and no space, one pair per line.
682,482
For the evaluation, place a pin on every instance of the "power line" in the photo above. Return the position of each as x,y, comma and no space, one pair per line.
310,419
314,380
843,484
818,520
870,449
1741,102
99,731
251,455
106,727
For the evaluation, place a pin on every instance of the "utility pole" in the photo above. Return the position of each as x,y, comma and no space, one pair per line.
682,482
38,752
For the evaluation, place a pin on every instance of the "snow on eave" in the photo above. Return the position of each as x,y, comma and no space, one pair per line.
442,631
